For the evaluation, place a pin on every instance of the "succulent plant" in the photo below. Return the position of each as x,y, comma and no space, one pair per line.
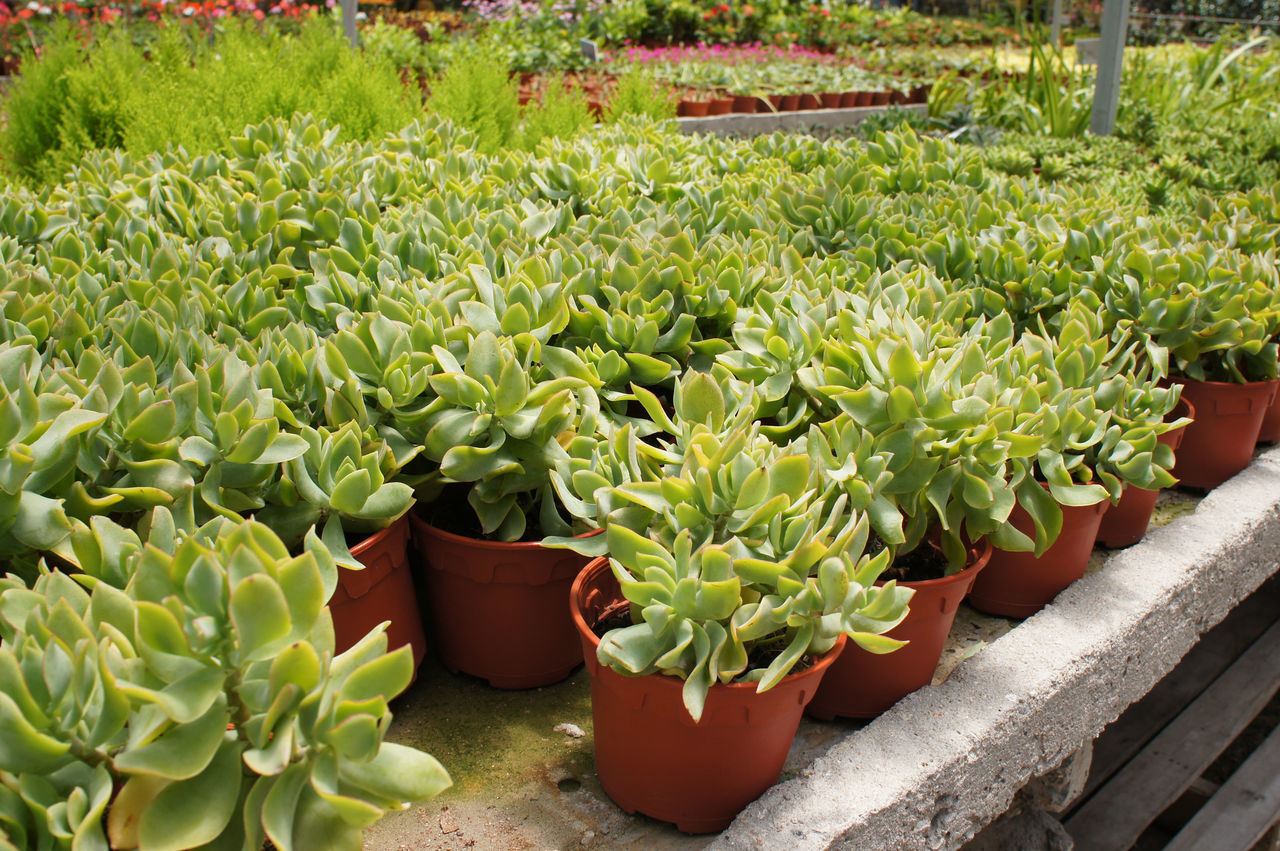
727,545
200,703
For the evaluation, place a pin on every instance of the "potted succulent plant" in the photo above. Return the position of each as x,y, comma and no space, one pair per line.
735,571
501,406
210,705
1099,419
926,445
1218,314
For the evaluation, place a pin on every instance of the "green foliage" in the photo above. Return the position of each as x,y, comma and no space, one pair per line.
478,93
639,94
182,90
201,701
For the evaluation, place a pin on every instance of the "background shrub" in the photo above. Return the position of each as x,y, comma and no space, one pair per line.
182,89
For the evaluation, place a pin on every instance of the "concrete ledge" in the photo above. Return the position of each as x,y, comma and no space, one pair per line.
767,122
949,759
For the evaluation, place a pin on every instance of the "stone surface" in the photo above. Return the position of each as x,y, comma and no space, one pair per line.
947,760
1055,791
767,122
1024,829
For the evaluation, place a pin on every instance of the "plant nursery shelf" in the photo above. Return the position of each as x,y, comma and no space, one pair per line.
1011,701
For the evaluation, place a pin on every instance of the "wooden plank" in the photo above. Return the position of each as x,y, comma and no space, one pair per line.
1118,813
1219,647
1242,811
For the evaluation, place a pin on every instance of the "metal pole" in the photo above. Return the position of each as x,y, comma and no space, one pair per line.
1055,31
349,21
1106,96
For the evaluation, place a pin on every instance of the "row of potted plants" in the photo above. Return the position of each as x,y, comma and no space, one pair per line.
696,103
760,371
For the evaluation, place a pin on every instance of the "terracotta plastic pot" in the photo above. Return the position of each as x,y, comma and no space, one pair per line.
920,94
1270,431
897,96
790,103
861,684
498,608
693,108
382,591
848,100
830,100
880,98
776,103
745,103
1018,584
720,106
864,98
1126,522
653,759
809,101
1220,442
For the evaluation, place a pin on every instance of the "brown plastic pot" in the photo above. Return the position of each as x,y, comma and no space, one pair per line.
382,591
830,100
776,103
1126,522
693,108
720,106
745,103
865,98
880,98
790,103
848,100
652,758
1270,430
862,684
809,101
920,94
498,608
1018,585
1220,442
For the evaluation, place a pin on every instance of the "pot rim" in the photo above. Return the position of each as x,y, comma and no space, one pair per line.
396,526
1182,379
484,543
820,662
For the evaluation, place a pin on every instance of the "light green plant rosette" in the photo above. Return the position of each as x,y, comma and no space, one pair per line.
731,549
184,692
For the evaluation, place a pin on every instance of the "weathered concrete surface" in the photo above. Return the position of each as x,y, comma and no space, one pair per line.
947,760
767,122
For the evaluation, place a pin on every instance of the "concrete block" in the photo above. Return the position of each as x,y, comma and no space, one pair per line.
767,122
950,758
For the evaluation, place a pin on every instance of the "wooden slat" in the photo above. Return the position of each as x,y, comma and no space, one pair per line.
1214,653
1118,812
1246,806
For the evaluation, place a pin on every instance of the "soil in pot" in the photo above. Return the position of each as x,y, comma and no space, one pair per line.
1221,441
862,684
1018,585
382,591
1126,522
652,758
498,609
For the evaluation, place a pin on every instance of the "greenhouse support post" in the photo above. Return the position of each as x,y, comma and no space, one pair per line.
1106,96
1055,33
349,21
